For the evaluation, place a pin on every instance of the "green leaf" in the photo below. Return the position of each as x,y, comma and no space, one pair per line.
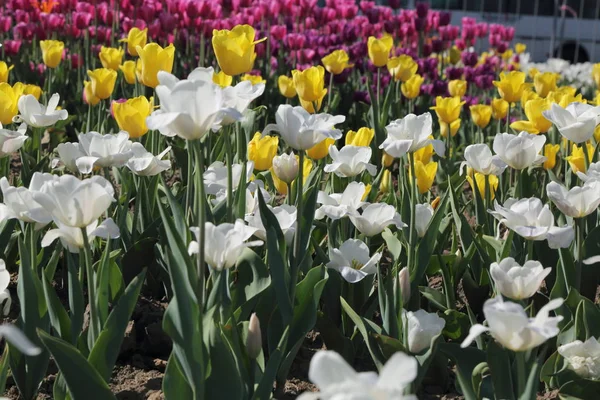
499,362
393,244
252,279
83,381
265,386
581,389
59,318
457,325
174,385
224,375
466,360
367,333
106,349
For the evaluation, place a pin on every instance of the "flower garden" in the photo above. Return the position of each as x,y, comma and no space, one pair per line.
239,199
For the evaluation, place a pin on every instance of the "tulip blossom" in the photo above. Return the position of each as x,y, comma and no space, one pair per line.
518,282
222,79
576,122
215,176
12,141
280,184
110,150
111,58
519,151
224,243
510,325
457,88
339,205
320,150
404,285
375,218
189,108
481,115
72,238
479,157
52,51
499,109
350,161
352,260
424,175
533,221
576,202
379,49
410,134
128,69
423,216
550,151
131,115
262,150
301,130
155,59
577,158
73,202
310,86
336,62
448,108
88,95
285,167
234,49
511,85
144,163
421,328
286,86
363,137
402,68
480,181
136,37
412,87
239,97
4,71
545,82
5,299
9,99
536,121
286,217
582,357
336,379
20,204
38,116
102,82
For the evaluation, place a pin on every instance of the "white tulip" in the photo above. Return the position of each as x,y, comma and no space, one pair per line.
410,134
11,141
518,282
189,108
480,158
224,243
38,116
286,217
350,161
73,202
352,260
375,217
519,151
5,299
285,167
510,325
239,98
533,221
576,202
69,153
72,238
20,204
339,205
215,177
421,327
593,172
583,357
423,216
14,336
337,380
110,150
576,122
404,284
144,163
302,130
252,196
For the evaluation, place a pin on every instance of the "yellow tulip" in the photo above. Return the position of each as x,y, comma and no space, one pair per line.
436,202
412,87
310,106
234,49
310,83
527,95
9,98
499,108
596,74
320,150
362,137
111,58
550,151
336,62
457,88
507,55
128,69
261,150
386,182
454,127
481,114
511,85
402,68
366,193
52,51
565,95
222,79
447,108
425,175
577,158
286,86
480,180
131,115
281,186
154,58
103,82
597,134
545,82
379,49
454,55
135,38
424,153
533,72
254,79
536,122
520,48
33,90
4,71
387,160
88,94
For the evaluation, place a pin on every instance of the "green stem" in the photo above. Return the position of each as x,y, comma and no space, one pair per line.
290,198
94,330
522,373
190,172
508,119
200,206
580,231
297,259
229,156
329,92
413,206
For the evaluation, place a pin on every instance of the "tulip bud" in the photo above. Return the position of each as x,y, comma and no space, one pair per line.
254,339
286,167
404,285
